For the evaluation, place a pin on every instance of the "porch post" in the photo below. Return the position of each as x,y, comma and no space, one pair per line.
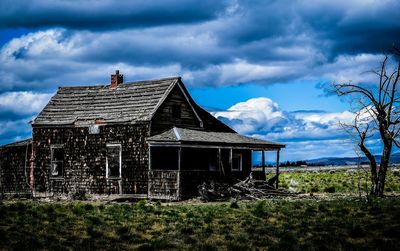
230,158
277,168
263,163
178,192
148,176
179,158
220,166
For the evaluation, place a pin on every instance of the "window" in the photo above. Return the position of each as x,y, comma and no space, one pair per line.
113,161
176,111
57,158
237,162
164,158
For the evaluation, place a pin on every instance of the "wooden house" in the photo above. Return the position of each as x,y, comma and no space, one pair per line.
145,139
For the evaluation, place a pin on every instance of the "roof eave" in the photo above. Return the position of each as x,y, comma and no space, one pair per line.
222,144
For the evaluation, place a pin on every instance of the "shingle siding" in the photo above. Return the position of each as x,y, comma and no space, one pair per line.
14,167
85,159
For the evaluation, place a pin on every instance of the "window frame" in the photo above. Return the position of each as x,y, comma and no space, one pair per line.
120,161
52,162
240,155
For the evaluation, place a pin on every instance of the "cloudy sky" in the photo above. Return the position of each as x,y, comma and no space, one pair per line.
260,66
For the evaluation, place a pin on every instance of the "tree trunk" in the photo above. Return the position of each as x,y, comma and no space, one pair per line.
378,180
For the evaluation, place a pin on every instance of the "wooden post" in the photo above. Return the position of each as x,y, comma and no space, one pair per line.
277,168
178,177
149,176
179,158
230,158
220,166
263,164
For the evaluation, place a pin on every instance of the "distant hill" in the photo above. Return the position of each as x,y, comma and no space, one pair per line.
395,158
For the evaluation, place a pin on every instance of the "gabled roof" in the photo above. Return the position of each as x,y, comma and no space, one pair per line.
190,136
129,102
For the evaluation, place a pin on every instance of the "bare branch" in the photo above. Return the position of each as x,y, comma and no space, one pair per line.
378,112
354,89
382,75
396,80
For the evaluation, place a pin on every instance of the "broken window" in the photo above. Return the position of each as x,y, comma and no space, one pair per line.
113,161
237,162
57,158
176,111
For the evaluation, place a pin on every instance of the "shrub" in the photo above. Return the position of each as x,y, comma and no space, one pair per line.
329,189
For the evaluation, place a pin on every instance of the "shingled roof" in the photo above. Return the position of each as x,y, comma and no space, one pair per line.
189,136
129,102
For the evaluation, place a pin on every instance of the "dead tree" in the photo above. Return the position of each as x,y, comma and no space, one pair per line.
377,114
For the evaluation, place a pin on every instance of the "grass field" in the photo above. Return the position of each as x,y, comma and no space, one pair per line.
334,182
338,224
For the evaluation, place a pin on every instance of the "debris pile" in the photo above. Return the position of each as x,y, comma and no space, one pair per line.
248,189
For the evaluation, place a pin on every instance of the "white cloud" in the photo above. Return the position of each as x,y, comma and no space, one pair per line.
332,118
307,134
253,115
23,102
38,45
349,68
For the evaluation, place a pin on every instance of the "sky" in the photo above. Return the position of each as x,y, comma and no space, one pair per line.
262,67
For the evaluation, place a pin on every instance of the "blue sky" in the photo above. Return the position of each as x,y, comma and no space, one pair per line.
260,66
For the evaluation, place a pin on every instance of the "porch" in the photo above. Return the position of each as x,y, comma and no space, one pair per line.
182,159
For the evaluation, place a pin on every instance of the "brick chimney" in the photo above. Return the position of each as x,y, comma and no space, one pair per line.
116,79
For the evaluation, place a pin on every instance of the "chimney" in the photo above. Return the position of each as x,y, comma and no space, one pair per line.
116,79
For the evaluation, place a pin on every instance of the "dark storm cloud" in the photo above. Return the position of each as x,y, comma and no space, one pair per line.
353,27
208,43
105,14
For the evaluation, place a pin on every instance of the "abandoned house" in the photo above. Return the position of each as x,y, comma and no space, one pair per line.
146,139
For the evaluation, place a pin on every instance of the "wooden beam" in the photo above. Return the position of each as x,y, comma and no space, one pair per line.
277,169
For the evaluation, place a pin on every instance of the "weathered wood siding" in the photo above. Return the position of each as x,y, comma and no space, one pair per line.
163,118
85,159
13,175
163,184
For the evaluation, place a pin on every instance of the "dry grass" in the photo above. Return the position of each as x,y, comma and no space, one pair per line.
302,224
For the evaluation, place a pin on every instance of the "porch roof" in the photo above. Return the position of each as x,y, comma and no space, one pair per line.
184,136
